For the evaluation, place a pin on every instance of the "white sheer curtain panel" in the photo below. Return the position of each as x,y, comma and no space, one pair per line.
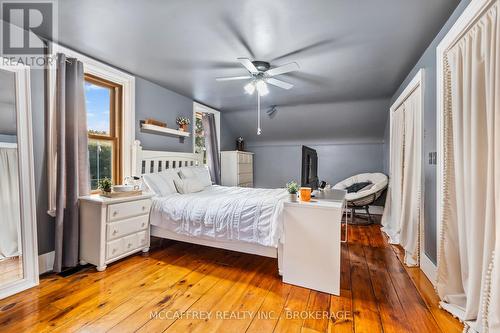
468,273
411,188
392,210
401,219
10,219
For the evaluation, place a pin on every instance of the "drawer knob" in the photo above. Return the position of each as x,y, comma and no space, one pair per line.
143,207
114,250
129,244
115,232
143,224
115,213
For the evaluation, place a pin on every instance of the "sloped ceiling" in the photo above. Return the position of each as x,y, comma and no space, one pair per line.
347,50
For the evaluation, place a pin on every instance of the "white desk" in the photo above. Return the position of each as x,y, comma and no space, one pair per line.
311,251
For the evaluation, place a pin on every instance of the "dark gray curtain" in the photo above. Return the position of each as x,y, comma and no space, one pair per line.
212,146
72,159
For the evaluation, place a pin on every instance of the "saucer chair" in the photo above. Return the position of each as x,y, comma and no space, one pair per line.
362,191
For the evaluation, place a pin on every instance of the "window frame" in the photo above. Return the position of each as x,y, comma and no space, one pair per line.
115,123
102,70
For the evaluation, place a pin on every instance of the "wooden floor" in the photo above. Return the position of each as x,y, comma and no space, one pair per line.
11,269
186,288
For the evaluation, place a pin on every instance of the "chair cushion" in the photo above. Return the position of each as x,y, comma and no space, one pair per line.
378,182
357,187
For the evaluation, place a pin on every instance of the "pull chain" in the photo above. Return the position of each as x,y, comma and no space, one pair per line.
259,131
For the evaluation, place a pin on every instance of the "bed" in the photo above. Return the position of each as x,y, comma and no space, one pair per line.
245,220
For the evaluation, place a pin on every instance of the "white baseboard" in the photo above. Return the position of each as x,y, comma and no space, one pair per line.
428,267
46,262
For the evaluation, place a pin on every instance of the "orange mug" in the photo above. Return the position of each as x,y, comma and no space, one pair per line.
305,194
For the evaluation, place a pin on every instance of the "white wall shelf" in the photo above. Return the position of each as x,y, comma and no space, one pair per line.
153,129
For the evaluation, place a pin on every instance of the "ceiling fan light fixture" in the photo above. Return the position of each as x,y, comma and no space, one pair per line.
249,88
261,86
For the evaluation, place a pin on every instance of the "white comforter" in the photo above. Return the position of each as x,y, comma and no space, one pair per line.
219,212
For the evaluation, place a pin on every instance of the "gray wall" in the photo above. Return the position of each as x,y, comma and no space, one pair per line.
275,165
151,100
428,63
156,102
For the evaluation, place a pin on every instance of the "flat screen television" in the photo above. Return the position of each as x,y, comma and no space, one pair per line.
309,176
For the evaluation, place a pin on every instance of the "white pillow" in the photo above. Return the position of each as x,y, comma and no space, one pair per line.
189,185
200,172
161,184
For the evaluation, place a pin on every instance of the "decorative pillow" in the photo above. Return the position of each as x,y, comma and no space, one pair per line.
189,185
356,187
162,184
201,173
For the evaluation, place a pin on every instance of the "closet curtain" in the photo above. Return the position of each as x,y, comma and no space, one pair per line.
212,146
10,218
468,272
72,159
402,213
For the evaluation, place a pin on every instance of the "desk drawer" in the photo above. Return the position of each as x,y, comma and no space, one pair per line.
121,228
128,209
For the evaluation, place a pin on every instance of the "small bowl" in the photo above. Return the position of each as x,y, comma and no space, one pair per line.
123,188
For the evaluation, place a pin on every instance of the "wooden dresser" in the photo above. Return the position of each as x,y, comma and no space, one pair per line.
237,168
111,229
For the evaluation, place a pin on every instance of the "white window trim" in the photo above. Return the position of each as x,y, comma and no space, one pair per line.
99,69
469,17
197,107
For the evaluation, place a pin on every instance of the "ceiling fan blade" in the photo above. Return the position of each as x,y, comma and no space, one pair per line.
248,65
280,83
233,78
293,66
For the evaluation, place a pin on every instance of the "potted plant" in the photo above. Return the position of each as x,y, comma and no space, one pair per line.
183,123
292,188
105,185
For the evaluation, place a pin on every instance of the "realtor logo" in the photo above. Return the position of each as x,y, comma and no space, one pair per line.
27,19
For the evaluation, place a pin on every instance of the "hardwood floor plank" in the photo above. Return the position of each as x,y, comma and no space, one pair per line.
291,318
364,303
392,314
318,311
341,320
270,309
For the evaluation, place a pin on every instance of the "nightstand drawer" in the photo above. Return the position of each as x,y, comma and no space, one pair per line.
245,168
142,238
114,248
127,209
244,158
130,243
121,228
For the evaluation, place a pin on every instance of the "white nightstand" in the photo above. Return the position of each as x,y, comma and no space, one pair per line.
113,228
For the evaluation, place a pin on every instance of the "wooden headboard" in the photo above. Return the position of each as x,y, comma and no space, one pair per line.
152,161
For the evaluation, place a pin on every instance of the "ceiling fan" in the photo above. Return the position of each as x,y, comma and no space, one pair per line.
260,74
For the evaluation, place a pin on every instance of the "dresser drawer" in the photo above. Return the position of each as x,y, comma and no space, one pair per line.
245,168
244,158
121,228
245,178
127,209
114,248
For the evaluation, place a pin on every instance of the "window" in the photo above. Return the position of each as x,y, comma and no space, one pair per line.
104,119
198,134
